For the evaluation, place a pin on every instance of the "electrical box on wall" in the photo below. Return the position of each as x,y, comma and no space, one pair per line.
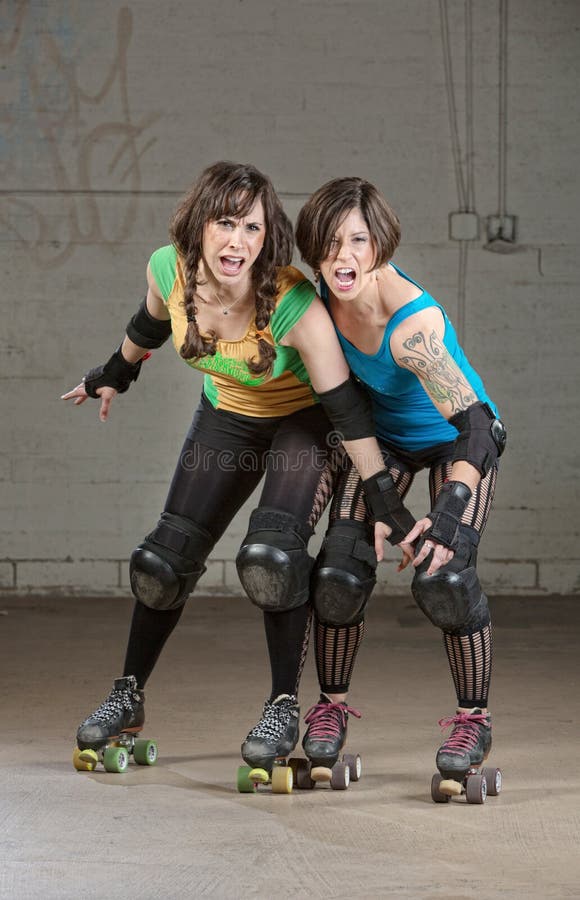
501,228
463,226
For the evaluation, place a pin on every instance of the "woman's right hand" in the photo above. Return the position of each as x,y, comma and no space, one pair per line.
79,395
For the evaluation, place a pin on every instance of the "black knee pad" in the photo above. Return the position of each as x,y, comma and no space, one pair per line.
452,598
273,563
344,576
165,568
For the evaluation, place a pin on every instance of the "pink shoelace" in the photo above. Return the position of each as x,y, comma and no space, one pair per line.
465,734
325,720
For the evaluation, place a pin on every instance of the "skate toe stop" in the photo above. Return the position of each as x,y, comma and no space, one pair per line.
85,760
451,787
320,773
259,776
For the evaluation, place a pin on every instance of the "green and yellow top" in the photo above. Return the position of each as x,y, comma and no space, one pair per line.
228,382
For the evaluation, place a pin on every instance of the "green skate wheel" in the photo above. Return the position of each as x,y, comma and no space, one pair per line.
85,760
145,752
115,759
244,783
282,780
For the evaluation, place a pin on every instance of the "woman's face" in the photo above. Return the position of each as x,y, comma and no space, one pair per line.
346,269
231,245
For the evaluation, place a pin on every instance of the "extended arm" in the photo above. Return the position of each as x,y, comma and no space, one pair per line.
148,329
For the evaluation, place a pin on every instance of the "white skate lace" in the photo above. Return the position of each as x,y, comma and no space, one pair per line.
118,700
275,719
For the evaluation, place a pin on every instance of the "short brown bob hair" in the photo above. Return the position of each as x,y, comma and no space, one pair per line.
323,213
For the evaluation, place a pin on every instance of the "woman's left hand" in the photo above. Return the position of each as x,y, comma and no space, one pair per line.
382,533
441,555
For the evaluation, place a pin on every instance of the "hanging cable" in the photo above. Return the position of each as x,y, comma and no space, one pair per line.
502,130
469,141
464,179
451,105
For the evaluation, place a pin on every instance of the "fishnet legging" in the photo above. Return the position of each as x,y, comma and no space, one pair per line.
469,655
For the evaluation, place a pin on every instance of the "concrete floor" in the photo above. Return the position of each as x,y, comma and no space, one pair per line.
181,830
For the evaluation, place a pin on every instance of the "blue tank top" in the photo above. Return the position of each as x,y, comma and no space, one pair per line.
403,412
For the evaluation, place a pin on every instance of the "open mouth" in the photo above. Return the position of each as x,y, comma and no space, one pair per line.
345,278
231,265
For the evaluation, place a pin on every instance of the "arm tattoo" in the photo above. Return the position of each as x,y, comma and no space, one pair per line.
437,371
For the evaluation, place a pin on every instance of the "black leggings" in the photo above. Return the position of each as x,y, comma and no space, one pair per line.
221,463
469,655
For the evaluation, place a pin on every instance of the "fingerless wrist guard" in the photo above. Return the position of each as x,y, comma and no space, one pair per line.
386,506
447,512
482,437
116,373
146,331
348,407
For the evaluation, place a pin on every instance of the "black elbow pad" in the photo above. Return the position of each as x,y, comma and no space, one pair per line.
482,436
348,407
146,331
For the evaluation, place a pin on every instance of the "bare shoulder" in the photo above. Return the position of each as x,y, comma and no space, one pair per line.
422,322
313,327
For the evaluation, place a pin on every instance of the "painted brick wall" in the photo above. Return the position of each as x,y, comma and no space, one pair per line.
112,109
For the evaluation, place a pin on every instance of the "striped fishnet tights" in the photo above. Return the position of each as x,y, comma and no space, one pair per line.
469,655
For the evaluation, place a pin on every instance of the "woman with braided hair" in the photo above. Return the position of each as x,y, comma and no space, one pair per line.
431,411
237,311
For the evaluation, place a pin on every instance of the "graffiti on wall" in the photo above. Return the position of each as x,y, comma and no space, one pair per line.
82,142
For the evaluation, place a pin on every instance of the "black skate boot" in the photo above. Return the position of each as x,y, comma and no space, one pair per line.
123,712
326,734
467,746
275,735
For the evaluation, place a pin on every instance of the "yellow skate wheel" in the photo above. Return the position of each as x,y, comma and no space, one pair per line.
282,780
145,752
243,782
450,787
259,776
85,760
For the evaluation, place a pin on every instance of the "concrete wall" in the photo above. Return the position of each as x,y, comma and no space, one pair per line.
113,109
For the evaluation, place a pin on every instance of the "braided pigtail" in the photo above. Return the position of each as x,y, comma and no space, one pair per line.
276,253
194,344
265,303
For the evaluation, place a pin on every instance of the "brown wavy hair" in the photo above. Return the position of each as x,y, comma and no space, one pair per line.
322,214
231,189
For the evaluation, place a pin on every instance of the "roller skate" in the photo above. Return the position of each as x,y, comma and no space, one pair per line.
109,735
323,741
460,760
268,745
